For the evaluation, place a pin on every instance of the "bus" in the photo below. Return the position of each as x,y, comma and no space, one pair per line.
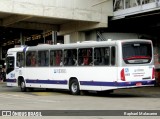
101,66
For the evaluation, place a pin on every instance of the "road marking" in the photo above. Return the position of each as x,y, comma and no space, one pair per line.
13,96
44,93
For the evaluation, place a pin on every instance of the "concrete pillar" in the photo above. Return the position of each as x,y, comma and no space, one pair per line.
44,39
91,35
77,36
80,36
66,39
22,39
54,37
0,53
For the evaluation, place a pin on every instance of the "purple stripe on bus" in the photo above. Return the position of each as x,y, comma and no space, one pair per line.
116,84
46,81
11,80
89,83
24,50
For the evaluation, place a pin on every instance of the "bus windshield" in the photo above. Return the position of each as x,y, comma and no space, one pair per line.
137,52
9,64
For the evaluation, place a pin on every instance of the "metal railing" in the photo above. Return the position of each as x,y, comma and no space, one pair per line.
124,4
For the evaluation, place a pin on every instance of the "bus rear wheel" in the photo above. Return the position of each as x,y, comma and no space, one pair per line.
74,87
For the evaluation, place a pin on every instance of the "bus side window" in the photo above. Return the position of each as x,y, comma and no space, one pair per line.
28,59
65,60
89,54
113,55
20,59
56,58
70,57
52,58
31,59
74,56
101,56
85,56
97,56
107,56
80,61
43,58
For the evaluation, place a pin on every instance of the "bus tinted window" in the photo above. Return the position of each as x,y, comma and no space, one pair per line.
9,64
137,53
20,59
113,55
70,57
102,56
85,56
56,57
43,58
31,58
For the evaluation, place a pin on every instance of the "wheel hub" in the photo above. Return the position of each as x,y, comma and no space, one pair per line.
74,87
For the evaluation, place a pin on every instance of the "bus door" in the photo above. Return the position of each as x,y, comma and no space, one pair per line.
19,64
10,70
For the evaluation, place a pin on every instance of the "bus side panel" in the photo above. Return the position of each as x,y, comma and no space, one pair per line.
44,78
111,76
90,78
11,79
96,78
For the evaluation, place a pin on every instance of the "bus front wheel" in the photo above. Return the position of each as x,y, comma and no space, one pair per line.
74,87
23,86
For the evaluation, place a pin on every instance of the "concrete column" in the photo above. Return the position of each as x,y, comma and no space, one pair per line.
91,36
0,53
44,39
77,36
22,39
66,39
54,37
80,36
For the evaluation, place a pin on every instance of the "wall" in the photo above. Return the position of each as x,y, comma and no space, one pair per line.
82,14
87,10
118,36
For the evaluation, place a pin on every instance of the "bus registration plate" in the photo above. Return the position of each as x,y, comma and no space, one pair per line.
138,84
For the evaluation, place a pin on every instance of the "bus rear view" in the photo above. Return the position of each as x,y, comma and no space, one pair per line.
137,64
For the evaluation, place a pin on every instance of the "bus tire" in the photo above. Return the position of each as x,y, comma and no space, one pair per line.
23,86
74,87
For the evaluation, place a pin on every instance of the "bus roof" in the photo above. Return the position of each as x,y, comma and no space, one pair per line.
20,49
83,44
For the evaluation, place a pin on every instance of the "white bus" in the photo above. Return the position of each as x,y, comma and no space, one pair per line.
88,66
